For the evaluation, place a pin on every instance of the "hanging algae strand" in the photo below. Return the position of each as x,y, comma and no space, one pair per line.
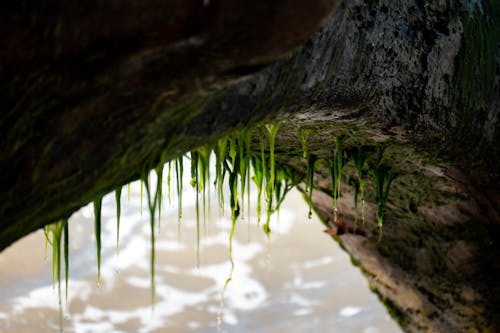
234,156
359,159
195,185
269,199
258,169
235,212
204,172
153,202
311,161
159,189
355,184
66,256
247,164
169,181
233,175
244,141
97,231
159,176
383,178
118,194
230,158
336,164
272,130
55,231
179,172
258,178
303,135
220,149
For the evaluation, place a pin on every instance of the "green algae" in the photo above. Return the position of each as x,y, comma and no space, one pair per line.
66,257
118,194
195,184
233,169
204,153
179,171
152,204
97,231
336,164
269,174
54,233
311,161
303,135
244,143
383,177
169,181
359,158
272,130
259,167
355,185
220,151
234,157
159,176
235,211
236,161
258,179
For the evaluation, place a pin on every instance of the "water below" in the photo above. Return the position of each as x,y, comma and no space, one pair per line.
299,281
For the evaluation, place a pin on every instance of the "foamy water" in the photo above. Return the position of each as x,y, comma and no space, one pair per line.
299,281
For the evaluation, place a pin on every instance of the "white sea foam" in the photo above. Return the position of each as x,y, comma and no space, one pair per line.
349,311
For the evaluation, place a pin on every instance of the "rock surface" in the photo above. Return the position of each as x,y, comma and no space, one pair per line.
89,102
410,76
420,78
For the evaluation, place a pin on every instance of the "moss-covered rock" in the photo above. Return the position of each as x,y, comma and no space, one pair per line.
413,85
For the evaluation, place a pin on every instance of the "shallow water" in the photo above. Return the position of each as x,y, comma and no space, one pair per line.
300,281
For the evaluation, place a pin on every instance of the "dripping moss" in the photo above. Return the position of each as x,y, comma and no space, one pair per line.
118,194
97,231
56,234
241,156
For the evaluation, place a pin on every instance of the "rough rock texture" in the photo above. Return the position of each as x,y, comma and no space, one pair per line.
93,93
420,77
435,266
